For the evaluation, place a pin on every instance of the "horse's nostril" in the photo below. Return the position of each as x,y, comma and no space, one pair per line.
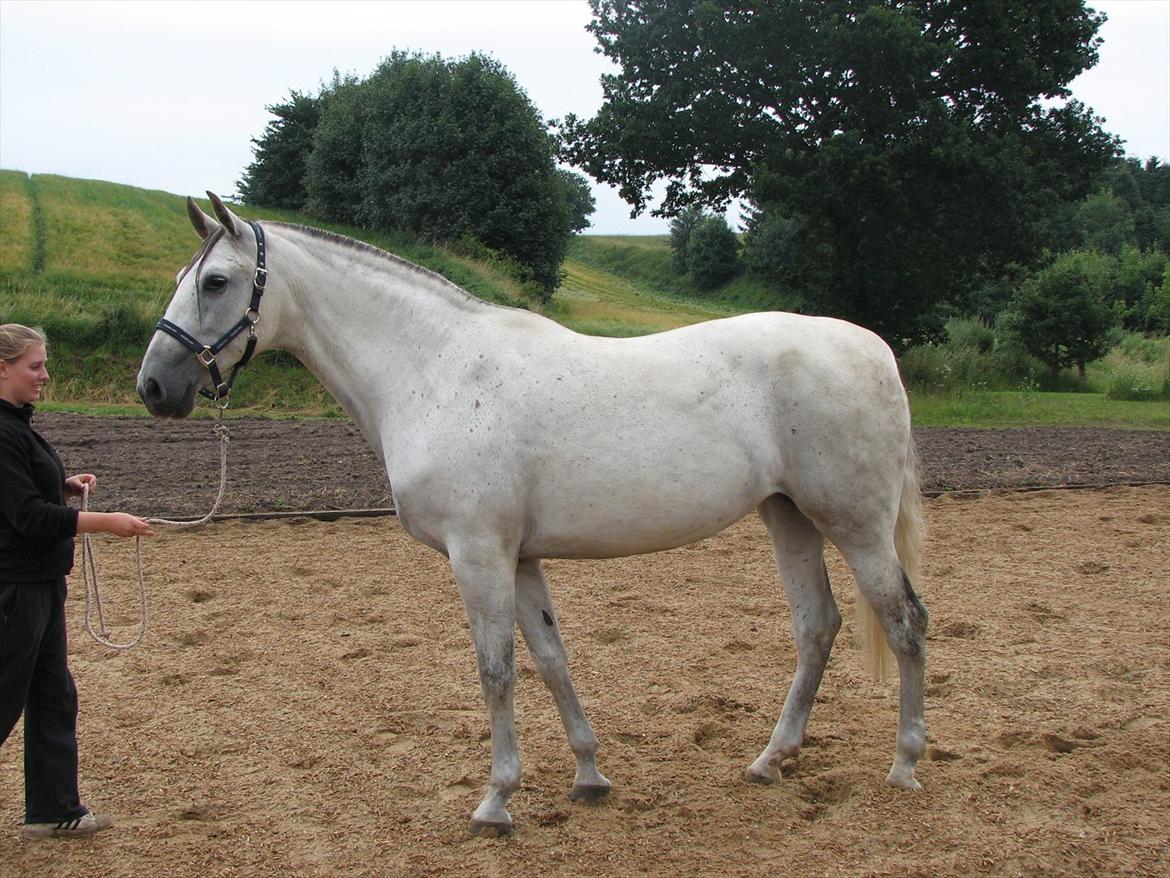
151,391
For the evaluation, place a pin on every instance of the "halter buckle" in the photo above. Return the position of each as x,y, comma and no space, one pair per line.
206,357
260,278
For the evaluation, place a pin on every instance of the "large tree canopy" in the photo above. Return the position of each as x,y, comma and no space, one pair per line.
442,149
913,145
277,176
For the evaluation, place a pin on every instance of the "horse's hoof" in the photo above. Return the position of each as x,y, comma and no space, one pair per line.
768,774
589,794
903,781
490,828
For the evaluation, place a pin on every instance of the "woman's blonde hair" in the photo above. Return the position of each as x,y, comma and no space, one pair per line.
16,339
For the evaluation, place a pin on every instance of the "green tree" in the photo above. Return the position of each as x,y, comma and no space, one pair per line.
447,150
712,253
334,169
1135,290
579,197
1145,188
1105,222
681,228
768,240
455,148
276,176
1156,306
907,142
1064,315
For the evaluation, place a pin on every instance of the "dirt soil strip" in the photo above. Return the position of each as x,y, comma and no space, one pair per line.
306,704
171,468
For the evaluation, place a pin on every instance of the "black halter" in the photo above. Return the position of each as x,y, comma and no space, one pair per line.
206,354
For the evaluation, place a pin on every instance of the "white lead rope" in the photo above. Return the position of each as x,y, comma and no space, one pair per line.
89,565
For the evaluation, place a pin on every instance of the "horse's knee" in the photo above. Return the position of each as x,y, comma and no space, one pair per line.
497,673
815,638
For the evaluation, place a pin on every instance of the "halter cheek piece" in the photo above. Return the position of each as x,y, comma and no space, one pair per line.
206,354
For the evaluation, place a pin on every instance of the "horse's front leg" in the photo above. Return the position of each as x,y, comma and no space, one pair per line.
487,577
538,621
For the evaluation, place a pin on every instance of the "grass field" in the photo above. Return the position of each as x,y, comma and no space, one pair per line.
1005,408
93,263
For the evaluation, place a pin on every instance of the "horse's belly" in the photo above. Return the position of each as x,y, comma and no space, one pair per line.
630,519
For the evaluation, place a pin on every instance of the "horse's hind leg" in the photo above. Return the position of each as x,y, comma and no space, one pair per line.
886,586
537,618
799,550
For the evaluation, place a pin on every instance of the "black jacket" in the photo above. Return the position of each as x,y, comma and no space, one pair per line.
36,527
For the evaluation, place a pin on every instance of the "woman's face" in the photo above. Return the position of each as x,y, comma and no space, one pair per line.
22,379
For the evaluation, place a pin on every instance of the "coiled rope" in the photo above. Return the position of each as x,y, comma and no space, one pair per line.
89,563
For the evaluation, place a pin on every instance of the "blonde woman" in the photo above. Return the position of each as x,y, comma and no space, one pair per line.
36,552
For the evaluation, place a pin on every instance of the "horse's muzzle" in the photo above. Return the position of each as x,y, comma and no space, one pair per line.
162,404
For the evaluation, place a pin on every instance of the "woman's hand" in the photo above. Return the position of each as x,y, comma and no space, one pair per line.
124,525
120,524
76,485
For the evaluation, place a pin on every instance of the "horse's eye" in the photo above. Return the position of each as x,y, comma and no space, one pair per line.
215,283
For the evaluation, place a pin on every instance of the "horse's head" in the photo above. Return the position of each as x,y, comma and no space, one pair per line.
212,321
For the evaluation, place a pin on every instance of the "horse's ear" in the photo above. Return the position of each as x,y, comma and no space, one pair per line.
226,218
203,224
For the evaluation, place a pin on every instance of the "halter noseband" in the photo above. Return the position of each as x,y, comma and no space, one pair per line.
206,354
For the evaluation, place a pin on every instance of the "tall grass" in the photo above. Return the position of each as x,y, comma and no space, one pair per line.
1137,368
16,225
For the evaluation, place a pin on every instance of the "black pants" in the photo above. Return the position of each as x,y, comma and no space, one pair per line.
35,680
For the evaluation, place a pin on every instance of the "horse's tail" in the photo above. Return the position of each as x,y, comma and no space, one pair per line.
908,535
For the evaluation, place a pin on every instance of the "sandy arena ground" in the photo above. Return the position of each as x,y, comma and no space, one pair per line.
306,704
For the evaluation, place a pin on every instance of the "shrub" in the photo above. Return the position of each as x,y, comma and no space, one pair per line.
711,253
1132,382
974,355
970,333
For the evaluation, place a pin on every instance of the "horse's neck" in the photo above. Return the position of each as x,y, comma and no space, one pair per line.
365,323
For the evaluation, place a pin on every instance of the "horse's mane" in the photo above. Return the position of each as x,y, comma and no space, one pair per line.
377,252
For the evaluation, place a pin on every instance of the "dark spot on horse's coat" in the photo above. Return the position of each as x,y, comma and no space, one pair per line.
477,403
547,618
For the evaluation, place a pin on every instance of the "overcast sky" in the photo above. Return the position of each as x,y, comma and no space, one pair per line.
167,95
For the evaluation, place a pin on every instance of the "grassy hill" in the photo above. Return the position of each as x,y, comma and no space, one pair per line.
94,263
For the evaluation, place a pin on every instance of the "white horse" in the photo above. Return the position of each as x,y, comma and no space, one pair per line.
508,439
